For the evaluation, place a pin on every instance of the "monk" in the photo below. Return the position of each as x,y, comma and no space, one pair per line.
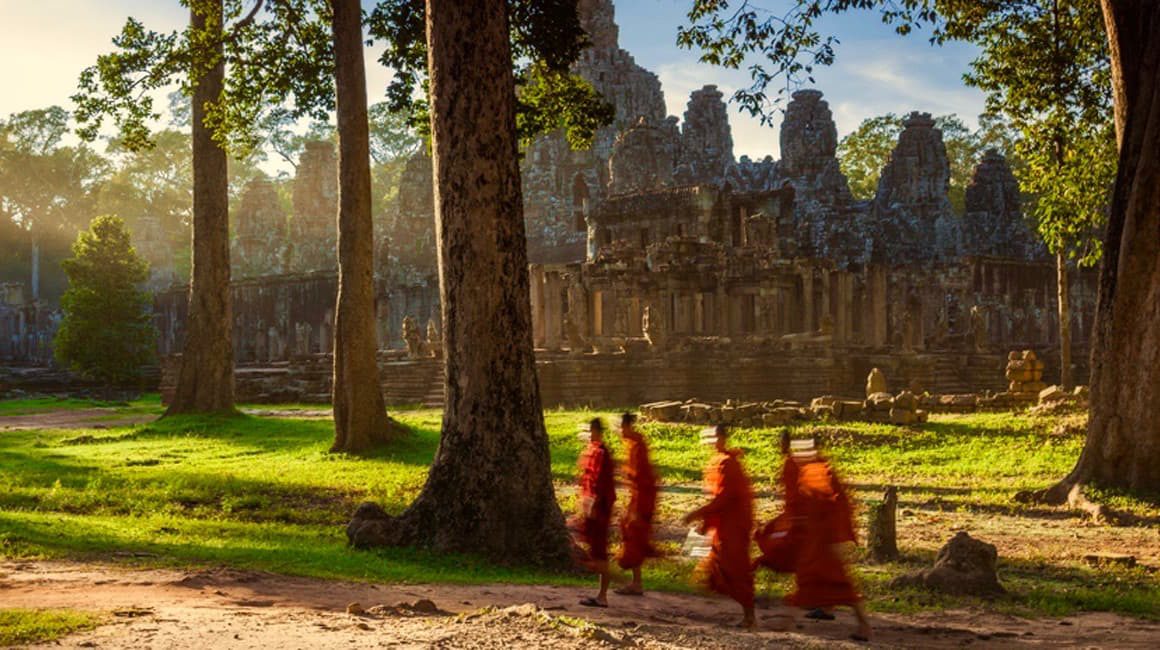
729,518
597,494
780,539
822,579
636,523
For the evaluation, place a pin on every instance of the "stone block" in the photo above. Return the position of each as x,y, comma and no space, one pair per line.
921,416
825,400
823,411
880,402
775,419
848,410
906,401
1053,394
901,416
667,411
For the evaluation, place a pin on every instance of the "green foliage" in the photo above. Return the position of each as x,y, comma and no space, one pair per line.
1044,66
107,332
278,56
546,38
788,43
27,626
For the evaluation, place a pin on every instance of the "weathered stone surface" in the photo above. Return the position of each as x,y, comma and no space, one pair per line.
994,224
706,151
912,208
312,228
964,566
875,382
882,536
261,235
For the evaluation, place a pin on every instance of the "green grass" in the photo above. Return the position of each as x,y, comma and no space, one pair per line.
148,403
264,493
24,626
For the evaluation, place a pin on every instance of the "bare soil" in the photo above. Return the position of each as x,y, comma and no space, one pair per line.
226,608
94,418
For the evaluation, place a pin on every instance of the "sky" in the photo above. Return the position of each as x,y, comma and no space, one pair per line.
45,44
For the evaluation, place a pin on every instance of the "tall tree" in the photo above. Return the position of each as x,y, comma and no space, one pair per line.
1044,67
1123,442
271,56
360,416
490,488
205,381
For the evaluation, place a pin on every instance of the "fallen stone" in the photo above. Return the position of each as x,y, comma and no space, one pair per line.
1108,559
901,416
1053,394
965,566
355,608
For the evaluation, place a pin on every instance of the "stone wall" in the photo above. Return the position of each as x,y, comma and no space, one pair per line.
621,380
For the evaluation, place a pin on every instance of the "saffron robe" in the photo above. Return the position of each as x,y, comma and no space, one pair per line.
598,484
636,523
780,539
729,517
821,577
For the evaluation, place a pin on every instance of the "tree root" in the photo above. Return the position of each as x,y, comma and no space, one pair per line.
1071,492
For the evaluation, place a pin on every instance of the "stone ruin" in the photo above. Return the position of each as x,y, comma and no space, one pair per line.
769,266
880,406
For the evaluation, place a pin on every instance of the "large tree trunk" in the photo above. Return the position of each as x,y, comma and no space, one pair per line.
360,417
1063,287
490,489
1123,441
205,382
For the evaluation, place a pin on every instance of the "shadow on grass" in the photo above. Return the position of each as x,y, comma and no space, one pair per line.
289,550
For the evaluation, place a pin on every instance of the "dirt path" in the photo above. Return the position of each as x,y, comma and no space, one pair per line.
225,608
94,418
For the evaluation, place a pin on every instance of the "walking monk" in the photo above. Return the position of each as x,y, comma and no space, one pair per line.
597,494
636,523
780,539
821,577
729,516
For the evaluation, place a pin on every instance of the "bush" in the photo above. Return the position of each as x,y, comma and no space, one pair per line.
107,333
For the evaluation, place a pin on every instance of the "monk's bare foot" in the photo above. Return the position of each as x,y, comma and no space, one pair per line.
748,623
594,602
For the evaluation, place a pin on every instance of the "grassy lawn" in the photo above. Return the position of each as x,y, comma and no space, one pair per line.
147,403
263,493
24,626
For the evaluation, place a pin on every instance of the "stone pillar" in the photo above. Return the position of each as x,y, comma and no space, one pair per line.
808,324
536,278
826,288
553,310
842,300
876,298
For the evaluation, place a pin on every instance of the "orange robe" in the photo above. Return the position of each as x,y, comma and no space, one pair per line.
598,484
820,576
636,524
729,516
780,539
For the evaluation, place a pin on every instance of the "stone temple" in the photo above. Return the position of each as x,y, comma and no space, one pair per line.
663,266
